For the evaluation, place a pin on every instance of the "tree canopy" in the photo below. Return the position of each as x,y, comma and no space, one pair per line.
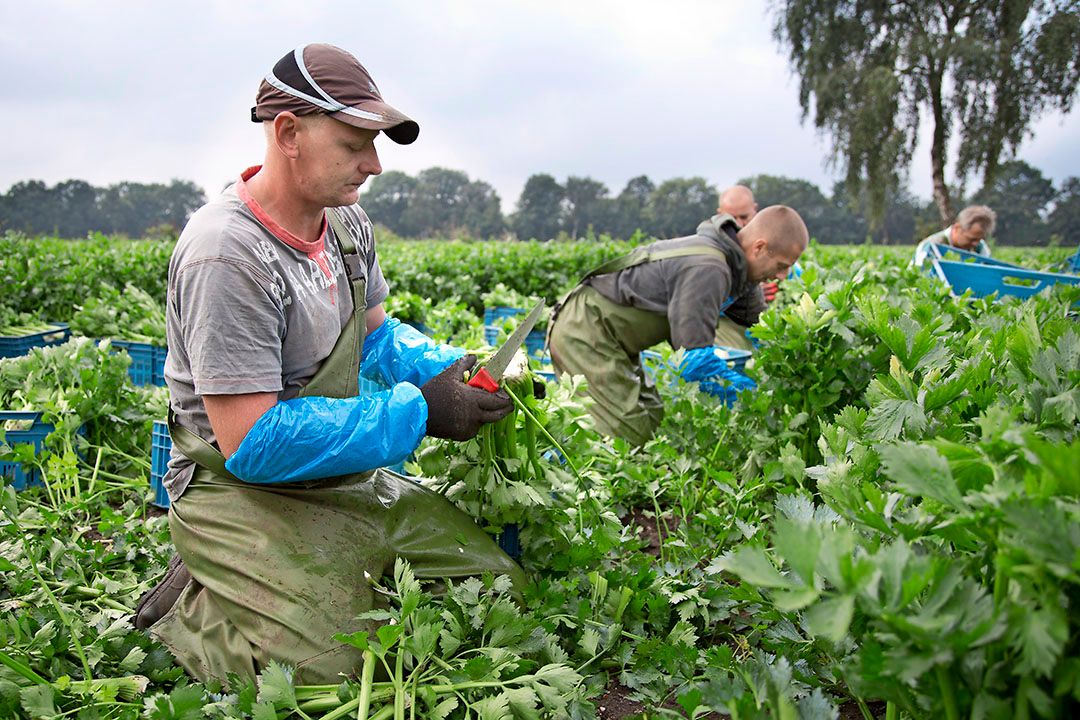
981,71
74,208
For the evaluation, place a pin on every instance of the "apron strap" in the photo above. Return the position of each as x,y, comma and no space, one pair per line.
343,363
196,449
640,256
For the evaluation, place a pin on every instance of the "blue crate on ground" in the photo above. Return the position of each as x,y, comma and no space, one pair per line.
16,345
147,362
493,317
1074,261
160,354
509,541
498,313
160,447
13,472
983,276
534,341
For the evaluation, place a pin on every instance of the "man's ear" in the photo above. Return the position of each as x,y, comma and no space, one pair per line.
759,245
286,129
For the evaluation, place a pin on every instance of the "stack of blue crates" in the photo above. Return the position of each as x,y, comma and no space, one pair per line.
16,345
984,276
493,317
160,447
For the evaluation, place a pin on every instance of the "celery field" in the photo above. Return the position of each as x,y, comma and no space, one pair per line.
888,527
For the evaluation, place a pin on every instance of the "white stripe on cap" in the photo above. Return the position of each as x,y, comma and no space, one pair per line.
329,103
298,55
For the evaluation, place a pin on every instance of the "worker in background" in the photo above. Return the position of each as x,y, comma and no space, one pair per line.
973,225
669,291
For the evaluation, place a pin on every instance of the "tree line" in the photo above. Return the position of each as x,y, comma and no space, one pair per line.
74,208
440,202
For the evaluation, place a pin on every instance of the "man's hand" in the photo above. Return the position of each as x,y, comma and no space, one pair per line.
770,289
456,411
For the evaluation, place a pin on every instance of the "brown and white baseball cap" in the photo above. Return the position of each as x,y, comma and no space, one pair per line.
323,78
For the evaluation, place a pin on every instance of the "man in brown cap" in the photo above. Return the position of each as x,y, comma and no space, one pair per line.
280,509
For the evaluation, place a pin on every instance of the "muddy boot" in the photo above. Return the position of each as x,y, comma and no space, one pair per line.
159,599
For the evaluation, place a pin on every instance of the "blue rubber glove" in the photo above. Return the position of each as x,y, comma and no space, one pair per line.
707,366
313,438
396,353
727,385
794,272
702,363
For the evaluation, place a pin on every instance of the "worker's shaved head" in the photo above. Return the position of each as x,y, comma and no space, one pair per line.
773,241
781,227
738,202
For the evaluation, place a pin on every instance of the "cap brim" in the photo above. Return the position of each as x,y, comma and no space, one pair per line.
398,127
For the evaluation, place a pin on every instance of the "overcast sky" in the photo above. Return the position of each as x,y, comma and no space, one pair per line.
149,91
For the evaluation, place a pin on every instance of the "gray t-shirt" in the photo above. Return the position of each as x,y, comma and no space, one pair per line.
691,291
252,308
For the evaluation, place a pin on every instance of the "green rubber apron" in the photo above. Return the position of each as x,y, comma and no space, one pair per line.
278,569
592,336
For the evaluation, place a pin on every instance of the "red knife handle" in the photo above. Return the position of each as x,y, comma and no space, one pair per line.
484,381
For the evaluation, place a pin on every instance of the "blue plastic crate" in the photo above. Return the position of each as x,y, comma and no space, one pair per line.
16,345
985,276
509,542
160,353
13,472
534,341
493,318
498,313
147,362
160,448
1074,261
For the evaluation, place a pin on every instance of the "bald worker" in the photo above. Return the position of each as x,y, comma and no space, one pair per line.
669,291
738,202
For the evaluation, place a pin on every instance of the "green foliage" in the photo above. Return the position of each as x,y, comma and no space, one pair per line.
892,517
51,278
129,315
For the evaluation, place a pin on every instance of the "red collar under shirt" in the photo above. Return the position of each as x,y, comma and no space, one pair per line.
316,251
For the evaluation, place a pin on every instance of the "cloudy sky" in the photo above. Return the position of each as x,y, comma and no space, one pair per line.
149,91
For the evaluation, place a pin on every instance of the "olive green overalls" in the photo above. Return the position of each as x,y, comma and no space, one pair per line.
278,569
592,336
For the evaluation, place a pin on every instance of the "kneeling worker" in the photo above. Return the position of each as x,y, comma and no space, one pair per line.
671,290
280,510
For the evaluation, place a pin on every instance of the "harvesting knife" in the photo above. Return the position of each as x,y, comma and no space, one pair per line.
488,377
